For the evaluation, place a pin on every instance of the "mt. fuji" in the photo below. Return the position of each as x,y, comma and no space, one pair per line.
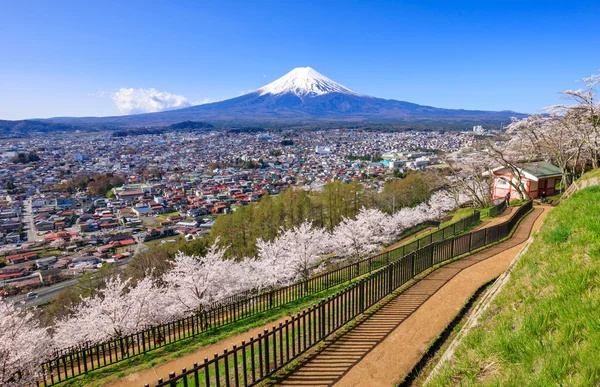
304,82
303,96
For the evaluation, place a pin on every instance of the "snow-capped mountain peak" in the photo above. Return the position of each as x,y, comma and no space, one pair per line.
304,81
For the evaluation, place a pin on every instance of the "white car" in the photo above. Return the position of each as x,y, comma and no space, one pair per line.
168,241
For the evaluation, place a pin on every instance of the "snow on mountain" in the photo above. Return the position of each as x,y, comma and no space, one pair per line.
305,81
302,96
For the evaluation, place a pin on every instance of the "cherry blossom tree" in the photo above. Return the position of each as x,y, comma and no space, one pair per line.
271,255
306,246
471,176
24,345
294,253
440,203
567,135
197,282
58,243
559,137
256,274
587,108
116,310
370,229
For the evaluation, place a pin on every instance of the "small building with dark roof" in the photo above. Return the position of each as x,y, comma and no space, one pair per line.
539,179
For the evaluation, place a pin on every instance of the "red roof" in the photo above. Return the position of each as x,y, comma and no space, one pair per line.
13,272
130,193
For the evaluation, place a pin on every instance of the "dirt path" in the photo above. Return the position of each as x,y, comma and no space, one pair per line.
151,375
385,346
498,219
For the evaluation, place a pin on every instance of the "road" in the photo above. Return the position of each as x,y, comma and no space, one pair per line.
44,294
48,293
28,220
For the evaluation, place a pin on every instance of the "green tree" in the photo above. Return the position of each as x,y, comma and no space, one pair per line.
407,192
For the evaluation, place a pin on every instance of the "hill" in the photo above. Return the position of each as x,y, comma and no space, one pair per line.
543,327
21,127
304,96
191,125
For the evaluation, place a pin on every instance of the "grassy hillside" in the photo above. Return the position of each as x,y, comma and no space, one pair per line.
544,327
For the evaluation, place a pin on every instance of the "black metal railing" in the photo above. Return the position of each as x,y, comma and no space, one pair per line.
260,357
498,208
72,362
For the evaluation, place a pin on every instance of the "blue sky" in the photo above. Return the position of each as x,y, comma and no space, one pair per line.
62,58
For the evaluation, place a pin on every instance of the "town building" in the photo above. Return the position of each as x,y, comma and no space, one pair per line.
538,179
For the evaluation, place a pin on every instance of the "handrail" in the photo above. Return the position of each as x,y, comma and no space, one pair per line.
260,357
498,208
74,361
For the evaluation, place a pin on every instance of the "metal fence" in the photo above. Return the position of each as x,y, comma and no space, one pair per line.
498,208
72,362
260,357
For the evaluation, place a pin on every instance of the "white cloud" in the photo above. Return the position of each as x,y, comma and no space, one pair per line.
132,101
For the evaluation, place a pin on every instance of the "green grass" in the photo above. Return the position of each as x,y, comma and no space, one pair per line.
593,174
518,202
544,327
165,216
102,376
49,253
188,345
458,215
156,242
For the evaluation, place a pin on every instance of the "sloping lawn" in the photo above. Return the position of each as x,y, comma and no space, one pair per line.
544,327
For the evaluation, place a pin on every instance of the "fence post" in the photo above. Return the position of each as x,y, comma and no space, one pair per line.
470,239
390,270
226,364
322,320
266,337
361,296
432,248
85,360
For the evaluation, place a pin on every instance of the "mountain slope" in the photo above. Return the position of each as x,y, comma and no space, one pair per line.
302,95
20,127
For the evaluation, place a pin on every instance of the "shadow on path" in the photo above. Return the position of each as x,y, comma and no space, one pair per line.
336,357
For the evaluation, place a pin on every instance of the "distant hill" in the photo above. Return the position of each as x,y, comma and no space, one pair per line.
191,125
302,97
30,126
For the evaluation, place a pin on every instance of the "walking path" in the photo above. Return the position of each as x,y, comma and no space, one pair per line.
498,219
385,346
162,370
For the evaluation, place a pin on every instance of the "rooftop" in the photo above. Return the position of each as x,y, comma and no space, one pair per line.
541,169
